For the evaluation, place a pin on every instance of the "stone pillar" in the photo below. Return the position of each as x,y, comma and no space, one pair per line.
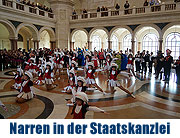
109,44
72,45
52,44
36,44
133,46
160,44
13,44
139,46
102,45
119,46
62,10
89,45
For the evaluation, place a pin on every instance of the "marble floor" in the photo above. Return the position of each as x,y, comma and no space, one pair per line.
155,99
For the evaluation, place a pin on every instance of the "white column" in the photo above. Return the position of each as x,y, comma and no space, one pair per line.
147,9
163,7
134,10
1,2
62,10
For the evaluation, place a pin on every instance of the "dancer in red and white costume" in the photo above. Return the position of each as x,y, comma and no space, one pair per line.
112,81
71,82
81,106
49,76
90,80
95,60
108,62
17,78
40,74
26,91
130,65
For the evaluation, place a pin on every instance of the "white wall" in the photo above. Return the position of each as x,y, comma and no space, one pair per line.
4,38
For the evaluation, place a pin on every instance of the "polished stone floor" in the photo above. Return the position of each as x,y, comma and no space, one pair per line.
155,99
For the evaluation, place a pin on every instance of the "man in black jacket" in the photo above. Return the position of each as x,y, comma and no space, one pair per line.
126,6
168,60
159,62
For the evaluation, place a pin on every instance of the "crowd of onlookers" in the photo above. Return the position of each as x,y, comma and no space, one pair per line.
126,6
143,61
33,4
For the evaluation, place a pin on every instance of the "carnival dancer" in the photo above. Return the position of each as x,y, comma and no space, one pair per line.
87,56
71,82
80,87
81,106
49,76
60,65
90,77
108,62
26,91
95,60
101,57
112,81
130,65
32,66
17,78
40,74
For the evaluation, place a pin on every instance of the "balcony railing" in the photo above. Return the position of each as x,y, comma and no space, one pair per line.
140,10
132,11
7,3
25,8
93,15
32,10
42,13
170,7
20,6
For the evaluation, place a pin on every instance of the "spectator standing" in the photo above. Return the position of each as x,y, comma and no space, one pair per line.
126,6
146,3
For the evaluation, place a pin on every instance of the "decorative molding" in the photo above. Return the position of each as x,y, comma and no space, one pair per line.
38,26
15,23
72,29
161,25
88,29
133,27
54,29
109,28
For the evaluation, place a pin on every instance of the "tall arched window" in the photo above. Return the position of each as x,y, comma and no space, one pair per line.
173,43
96,43
114,43
150,43
127,42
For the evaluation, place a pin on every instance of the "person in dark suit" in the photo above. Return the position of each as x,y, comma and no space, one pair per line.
117,7
159,63
98,9
168,60
177,67
146,3
126,6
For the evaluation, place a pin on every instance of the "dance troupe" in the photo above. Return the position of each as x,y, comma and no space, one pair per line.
50,67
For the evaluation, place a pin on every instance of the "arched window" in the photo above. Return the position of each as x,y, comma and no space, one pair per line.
173,43
114,43
127,42
96,43
150,43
